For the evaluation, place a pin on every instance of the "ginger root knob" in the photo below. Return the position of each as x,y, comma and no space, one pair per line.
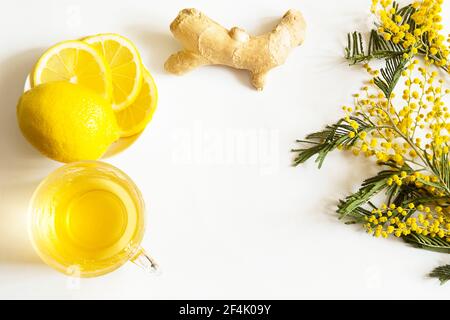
205,42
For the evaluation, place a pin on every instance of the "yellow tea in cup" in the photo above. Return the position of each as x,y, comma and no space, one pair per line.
87,219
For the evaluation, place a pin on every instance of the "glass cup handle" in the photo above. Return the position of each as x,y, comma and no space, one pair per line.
145,261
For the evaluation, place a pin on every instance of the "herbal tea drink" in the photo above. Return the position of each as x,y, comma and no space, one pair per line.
87,219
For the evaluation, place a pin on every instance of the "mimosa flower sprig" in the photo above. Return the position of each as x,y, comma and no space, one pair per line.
411,30
408,135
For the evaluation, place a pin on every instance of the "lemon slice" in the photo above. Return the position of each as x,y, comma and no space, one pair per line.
125,64
133,119
76,62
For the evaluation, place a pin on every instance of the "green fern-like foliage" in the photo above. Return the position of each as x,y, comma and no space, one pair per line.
442,273
372,186
322,142
429,243
390,75
378,48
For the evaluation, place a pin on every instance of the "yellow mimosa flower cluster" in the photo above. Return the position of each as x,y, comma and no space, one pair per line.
411,129
422,107
417,33
400,221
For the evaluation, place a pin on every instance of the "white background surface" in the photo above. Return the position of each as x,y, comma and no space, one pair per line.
228,216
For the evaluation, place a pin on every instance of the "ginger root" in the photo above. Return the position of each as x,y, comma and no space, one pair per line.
206,42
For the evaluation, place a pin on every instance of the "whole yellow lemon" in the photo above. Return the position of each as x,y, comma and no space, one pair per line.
67,122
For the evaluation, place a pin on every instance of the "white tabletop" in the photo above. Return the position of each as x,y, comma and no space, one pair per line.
228,215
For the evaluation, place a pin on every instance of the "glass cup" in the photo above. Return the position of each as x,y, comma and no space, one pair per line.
87,219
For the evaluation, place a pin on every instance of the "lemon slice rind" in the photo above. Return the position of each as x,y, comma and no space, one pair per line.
36,74
98,41
139,125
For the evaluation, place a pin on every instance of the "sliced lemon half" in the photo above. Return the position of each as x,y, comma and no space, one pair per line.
133,119
126,67
75,62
